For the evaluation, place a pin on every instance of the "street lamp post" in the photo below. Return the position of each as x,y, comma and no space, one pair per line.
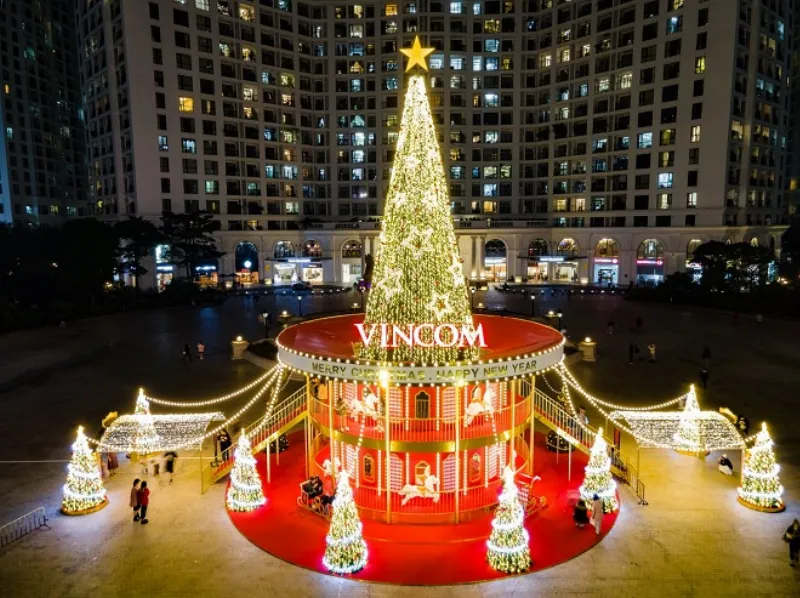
559,315
533,305
300,305
472,291
361,290
265,315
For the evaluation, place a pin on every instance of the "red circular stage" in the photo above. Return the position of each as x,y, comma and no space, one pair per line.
414,554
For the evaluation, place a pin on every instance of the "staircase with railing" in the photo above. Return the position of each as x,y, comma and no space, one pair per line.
288,414
552,414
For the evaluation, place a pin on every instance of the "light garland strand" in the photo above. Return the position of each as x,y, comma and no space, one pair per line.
221,399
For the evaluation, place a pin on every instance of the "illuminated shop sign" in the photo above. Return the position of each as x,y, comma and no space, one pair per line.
548,258
606,260
650,262
389,336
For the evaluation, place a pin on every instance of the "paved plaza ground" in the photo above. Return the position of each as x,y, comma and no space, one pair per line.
692,540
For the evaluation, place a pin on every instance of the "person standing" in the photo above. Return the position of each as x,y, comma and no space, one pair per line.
169,463
187,353
201,350
651,348
610,326
792,535
630,353
135,500
224,444
704,377
143,496
705,358
597,513
113,463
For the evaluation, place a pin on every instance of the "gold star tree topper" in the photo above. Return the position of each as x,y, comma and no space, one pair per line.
417,55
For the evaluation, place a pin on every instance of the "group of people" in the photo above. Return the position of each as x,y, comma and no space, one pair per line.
140,500
581,513
187,351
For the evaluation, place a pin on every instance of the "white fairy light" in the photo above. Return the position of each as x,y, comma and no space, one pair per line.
221,399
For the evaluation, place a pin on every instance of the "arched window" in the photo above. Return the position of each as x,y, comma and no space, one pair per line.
495,248
421,471
369,468
650,249
351,249
422,405
567,247
312,248
607,248
691,247
475,468
538,247
246,256
283,249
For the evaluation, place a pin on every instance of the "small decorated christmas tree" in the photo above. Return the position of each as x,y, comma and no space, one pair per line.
598,479
145,439
508,549
244,492
346,551
761,486
688,437
84,492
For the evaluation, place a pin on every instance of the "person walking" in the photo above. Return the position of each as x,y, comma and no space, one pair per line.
704,377
630,353
135,500
201,350
792,536
597,513
610,326
705,358
169,463
638,323
651,349
143,496
187,353
113,463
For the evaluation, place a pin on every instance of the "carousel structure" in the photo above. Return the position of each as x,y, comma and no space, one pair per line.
422,402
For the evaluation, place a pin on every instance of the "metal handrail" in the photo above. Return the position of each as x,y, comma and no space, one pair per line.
260,433
22,526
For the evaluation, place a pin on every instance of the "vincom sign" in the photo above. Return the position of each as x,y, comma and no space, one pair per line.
422,335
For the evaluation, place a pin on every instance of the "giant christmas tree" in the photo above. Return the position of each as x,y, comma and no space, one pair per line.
508,549
598,478
84,492
761,488
418,275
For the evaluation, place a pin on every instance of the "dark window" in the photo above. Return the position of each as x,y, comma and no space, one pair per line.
183,61
155,33
669,93
691,180
645,119
694,155
697,110
207,86
664,221
669,115
640,202
161,100
157,57
180,17
642,161
646,98
153,11
672,70
698,87
640,221
649,32
161,120
702,17
702,41
164,185
183,40
689,220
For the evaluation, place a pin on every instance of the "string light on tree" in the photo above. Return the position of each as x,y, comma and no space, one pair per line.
245,492
407,289
84,492
688,437
346,551
508,549
598,478
145,440
761,488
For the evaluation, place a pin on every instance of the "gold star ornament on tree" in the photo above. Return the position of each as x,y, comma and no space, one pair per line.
416,55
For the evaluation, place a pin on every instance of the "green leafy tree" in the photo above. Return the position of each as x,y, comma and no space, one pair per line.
88,257
713,258
138,237
190,239
790,252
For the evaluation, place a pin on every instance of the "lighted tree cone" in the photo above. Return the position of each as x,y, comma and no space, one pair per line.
145,440
418,275
84,492
346,551
244,492
598,479
507,547
688,438
761,487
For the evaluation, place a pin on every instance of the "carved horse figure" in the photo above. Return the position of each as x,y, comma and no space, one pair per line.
429,489
478,405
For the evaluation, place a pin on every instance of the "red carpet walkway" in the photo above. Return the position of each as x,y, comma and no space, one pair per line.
418,554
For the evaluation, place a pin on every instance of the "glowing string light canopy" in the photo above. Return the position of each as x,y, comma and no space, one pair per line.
418,276
761,487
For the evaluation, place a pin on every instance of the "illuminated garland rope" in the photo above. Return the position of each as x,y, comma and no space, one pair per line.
222,399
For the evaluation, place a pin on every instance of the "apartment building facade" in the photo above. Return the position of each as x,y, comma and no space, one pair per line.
585,140
43,177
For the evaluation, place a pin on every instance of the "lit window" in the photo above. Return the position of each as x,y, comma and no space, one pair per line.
664,180
691,200
435,63
163,145
456,8
7,89
674,25
699,65
664,201
564,55
491,45
545,60
201,4
212,187
603,84
390,10
188,146
694,136
457,63
668,137
490,190
624,81
492,64
477,63
185,104
491,136
490,172
583,90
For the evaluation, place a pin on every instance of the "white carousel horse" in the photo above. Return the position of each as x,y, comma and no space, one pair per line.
326,466
477,406
367,408
430,489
